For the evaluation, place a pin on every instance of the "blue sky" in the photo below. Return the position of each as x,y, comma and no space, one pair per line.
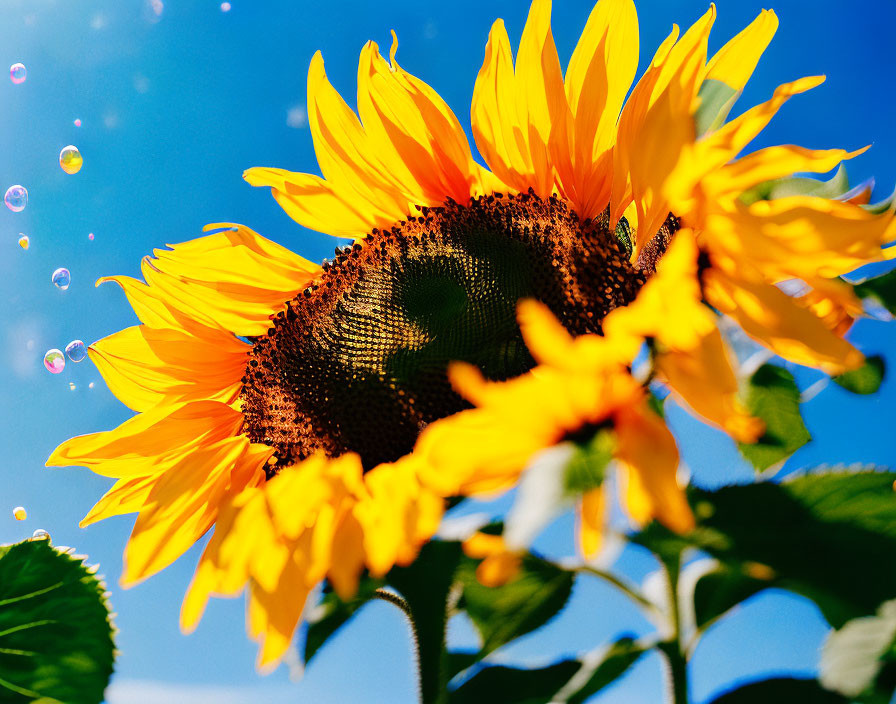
174,107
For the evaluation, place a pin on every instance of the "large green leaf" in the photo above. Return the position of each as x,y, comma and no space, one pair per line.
880,288
333,613
824,535
773,396
859,659
866,379
782,690
567,681
55,632
722,589
532,598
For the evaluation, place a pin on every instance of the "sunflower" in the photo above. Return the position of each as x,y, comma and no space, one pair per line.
280,402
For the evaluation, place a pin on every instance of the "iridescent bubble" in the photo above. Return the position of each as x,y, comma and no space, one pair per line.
76,351
90,236
90,385
61,278
20,513
24,241
40,534
16,198
77,122
70,159
225,7
18,73
54,361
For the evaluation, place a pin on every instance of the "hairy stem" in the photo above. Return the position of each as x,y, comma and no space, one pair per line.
673,648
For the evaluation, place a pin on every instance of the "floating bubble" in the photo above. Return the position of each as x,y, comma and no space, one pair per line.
71,386
76,351
90,236
16,198
77,122
225,7
24,241
54,361
90,385
20,513
40,534
70,159
61,278
18,73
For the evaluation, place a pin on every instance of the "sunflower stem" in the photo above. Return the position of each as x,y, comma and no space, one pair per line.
405,608
673,648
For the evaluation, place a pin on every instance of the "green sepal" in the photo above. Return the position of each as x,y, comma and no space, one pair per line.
56,634
881,289
537,593
568,681
773,397
716,100
781,690
587,467
866,379
624,235
332,613
835,187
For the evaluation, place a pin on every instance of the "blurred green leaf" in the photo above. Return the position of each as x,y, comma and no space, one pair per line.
567,681
532,598
722,589
716,100
782,690
333,613
823,535
55,631
836,186
585,470
773,396
858,660
866,379
880,288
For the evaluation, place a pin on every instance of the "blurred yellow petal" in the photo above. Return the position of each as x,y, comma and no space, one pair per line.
591,520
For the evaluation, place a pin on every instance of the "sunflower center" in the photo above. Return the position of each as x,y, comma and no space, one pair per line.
358,361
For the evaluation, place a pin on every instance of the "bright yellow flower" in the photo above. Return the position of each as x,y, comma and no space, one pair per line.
280,401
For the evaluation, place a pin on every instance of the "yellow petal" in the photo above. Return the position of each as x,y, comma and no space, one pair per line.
127,495
274,616
591,518
735,62
145,366
151,441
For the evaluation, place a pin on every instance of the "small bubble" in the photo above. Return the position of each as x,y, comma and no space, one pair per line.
71,386
77,122
225,7
40,534
90,385
61,278
20,513
24,241
70,159
76,351
16,198
54,361
18,73
90,236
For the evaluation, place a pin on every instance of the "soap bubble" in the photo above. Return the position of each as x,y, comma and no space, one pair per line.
225,7
76,350
54,361
18,73
20,513
24,241
90,236
70,159
62,278
16,198
77,122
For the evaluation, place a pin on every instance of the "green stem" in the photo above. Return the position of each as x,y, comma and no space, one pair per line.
673,648
627,589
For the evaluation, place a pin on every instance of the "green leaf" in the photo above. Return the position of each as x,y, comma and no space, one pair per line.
425,585
55,631
823,535
866,379
798,186
532,598
782,690
716,100
624,235
333,613
881,289
567,681
585,470
853,658
722,589
773,396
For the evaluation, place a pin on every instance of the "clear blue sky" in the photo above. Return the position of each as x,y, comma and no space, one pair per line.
172,112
